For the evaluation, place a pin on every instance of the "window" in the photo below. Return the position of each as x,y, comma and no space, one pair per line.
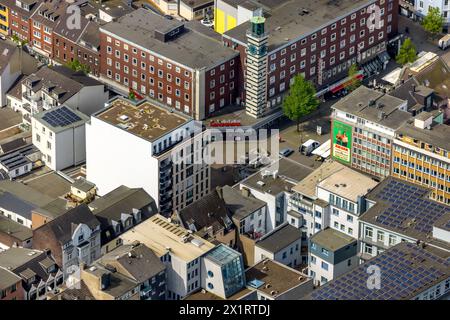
325,251
369,232
324,266
392,240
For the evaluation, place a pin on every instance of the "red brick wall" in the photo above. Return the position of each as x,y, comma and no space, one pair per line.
301,44
65,51
17,294
162,87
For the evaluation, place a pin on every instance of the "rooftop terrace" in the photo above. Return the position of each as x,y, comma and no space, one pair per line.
162,236
143,119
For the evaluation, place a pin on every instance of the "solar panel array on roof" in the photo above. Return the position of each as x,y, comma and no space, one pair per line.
408,207
61,117
406,270
16,159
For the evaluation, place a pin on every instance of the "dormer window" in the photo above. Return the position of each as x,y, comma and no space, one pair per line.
51,269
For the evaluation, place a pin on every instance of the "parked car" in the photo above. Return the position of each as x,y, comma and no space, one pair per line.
169,17
308,147
2,37
286,152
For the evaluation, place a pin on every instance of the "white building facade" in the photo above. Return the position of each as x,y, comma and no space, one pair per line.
62,144
164,166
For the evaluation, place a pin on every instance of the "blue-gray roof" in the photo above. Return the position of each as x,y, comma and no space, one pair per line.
406,270
14,204
404,208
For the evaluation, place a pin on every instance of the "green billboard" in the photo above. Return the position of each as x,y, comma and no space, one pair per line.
342,141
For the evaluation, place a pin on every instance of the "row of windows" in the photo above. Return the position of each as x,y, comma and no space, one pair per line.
420,156
420,168
341,227
381,236
370,167
134,60
341,203
343,22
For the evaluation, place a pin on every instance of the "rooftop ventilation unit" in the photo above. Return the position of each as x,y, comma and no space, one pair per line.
261,183
124,117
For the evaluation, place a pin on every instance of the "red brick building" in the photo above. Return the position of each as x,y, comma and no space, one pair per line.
10,286
80,44
181,64
43,23
19,17
320,39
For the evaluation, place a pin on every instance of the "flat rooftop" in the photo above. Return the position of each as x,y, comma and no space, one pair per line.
193,47
406,270
160,235
286,21
279,238
289,174
332,239
348,183
405,208
280,277
50,184
61,118
143,119
438,135
307,186
358,102
15,257
14,229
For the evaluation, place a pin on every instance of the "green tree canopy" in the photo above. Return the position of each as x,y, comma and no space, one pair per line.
354,81
76,65
433,21
301,100
407,53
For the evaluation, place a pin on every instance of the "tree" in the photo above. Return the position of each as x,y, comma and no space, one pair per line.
354,81
433,21
76,65
407,53
301,100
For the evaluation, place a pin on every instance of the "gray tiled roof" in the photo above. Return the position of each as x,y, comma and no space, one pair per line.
192,48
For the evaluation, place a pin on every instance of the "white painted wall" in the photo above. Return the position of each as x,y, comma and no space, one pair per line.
422,7
292,253
7,79
114,157
68,147
15,217
89,99
256,221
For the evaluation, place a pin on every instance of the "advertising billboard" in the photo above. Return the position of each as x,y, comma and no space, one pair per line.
342,141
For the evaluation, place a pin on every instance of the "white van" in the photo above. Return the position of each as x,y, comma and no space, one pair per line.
444,42
308,147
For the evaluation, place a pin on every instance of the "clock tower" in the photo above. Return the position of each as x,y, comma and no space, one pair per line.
256,79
